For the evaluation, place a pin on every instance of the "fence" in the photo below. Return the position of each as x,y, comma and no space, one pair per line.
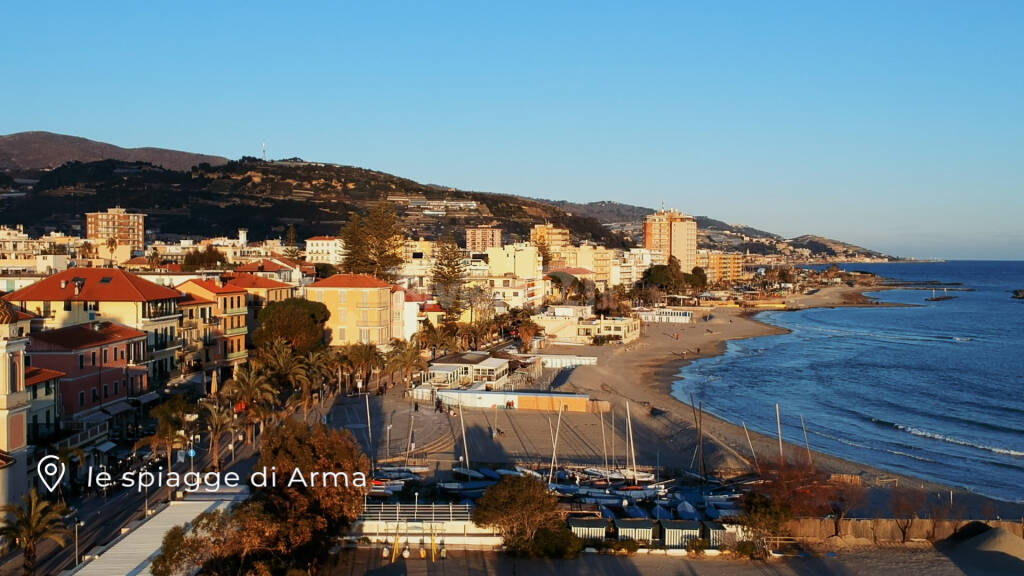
885,529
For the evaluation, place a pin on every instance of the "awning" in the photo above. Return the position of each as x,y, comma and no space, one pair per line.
93,418
105,447
118,407
147,397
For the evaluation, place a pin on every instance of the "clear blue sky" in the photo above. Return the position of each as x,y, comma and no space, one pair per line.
896,125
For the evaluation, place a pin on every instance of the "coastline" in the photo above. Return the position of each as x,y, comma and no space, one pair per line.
648,368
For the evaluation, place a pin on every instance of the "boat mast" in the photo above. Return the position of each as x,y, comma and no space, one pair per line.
465,445
632,446
778,423
554,445
806,443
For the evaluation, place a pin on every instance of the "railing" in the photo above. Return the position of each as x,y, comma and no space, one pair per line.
237,355
210,320
421,512
14,400
234,311
236,330
84,436
163,345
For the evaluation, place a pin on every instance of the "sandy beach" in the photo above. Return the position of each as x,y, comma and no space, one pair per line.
643,372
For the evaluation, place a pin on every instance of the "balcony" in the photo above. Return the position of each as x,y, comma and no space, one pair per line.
236,311
164,344
237,330
237,355
14,400
210,320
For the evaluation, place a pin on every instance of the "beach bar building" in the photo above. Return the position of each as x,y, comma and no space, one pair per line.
638,529
715,534
678,533
589,528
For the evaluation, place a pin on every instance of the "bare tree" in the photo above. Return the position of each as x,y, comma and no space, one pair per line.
904,504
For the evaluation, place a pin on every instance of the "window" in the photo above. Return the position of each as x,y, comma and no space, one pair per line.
93,354
131,385
104,355
364,335
341,315
95,395
81,360
117,387
92,306
28,360
67,305
81,398
106,391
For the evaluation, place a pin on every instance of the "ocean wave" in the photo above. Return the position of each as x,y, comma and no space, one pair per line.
958,441
919,458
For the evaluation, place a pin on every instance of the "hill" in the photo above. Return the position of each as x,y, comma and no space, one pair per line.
44,150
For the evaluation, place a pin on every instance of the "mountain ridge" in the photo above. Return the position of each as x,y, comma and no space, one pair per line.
41,150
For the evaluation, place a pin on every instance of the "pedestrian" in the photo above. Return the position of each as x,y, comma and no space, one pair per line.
416,407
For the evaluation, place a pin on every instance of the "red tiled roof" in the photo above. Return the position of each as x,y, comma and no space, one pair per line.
315,238
432,308
573,271
88,335
97,285
350,281
137,261
193,300
211,286
250,281
35,375
264,265
414,297
173,267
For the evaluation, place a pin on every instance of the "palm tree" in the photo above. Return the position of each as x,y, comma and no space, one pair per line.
407,358
112,246
253,389
364,358
34,521
220,420
71,457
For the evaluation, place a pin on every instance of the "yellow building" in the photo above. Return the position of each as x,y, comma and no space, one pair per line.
83,295
363,309
229,320
480,238
674,234
723,267
520,260
552,236
117,225
576,325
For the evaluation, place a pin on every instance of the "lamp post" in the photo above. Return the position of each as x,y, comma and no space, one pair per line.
387,448
77,524
416,507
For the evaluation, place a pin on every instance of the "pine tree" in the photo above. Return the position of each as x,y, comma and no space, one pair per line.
374,245
449,277
353,235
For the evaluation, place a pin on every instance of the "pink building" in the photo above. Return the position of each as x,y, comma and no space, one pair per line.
105,377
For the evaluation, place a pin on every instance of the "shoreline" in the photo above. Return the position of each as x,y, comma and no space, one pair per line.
651,366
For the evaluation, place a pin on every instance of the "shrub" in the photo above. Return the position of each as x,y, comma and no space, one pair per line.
748,549
556,543
697,546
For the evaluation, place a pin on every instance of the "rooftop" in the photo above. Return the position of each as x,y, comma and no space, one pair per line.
471,358
35,375
212,286
92,285
250,281
87,335
350,281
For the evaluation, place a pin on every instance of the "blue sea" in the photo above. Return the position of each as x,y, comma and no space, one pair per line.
934,391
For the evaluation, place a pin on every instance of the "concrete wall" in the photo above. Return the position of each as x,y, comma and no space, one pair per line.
885,529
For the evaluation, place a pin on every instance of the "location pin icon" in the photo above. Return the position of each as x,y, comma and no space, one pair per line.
51,471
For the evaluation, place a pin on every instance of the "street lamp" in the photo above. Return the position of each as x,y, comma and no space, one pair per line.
416,508
387,448
77,524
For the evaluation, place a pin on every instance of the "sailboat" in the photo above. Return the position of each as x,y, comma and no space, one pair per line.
466,471
631,474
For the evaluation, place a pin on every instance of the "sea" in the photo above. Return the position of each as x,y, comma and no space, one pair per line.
934,391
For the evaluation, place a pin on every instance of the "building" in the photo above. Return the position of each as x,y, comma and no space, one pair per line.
715,533
632,264
199,351
674,234
667,315
480,238
468,369
636,529
105,376
229,312
581,327
128,230
549,235
519,260
14,404
678,533
511,291
43,413
589,528
363,309
280,269
260,292
721,267
325,250
86,295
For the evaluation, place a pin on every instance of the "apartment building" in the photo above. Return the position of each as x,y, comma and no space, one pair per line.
675,235
325,250
127,229
229,312
363,309
105,376
259,292
199,350
480,238
14,404
86,295
549,234
724,267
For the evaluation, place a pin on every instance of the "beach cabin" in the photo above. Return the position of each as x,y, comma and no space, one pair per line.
715,534
678,533
638,529
589,528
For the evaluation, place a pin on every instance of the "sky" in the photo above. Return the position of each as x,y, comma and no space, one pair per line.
898,126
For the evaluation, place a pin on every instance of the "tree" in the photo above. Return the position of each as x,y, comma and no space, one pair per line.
34,521
844,498
527,330
220,420
112,246
545,252
449,277
251,388
374,246
325,270
297,321
904,504
291,243
316,509
170,420
765,515
698,278
153,259
518,507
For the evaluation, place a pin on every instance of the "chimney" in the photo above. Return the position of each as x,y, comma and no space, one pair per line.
63,284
